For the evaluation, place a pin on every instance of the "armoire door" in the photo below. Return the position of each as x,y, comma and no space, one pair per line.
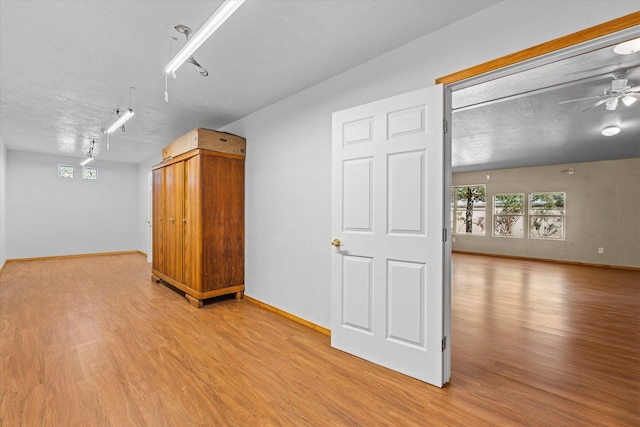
193,210
157,226
173,216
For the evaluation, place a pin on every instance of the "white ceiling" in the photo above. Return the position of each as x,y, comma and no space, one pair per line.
65,66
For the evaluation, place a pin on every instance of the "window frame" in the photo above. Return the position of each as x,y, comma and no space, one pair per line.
562,215
61,175
521,215
455,209
93,168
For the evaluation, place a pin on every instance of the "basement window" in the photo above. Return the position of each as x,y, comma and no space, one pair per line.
508,215
546,215
65,171
90,173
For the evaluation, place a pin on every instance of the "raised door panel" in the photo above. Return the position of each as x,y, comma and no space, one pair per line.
192,270
174,196
223,221
158,261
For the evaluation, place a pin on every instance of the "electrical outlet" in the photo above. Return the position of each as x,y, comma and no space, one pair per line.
454,240
600,251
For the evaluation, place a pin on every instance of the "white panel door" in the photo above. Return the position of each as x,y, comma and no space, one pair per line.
387,214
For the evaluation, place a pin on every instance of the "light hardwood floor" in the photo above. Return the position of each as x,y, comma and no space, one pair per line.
93,341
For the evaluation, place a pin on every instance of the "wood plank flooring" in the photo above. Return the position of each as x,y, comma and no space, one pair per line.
94,342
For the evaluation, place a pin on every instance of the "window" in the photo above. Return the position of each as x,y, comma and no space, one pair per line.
89,173
65,171
468,210
546,215
508,215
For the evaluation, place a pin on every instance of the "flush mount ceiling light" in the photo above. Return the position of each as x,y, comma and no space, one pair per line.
629,47
226,9
611,131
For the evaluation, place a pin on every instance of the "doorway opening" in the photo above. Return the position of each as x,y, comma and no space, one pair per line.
548,76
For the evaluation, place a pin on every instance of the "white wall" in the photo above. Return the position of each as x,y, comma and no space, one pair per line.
602,205
51,216
144,204
289,143
3,203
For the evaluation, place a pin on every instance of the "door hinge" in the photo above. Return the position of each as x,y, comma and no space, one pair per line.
444,234
445,126
444,343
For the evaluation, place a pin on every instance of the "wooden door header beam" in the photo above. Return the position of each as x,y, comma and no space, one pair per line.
591,33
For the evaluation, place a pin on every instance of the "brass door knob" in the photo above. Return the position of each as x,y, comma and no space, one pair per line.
336,242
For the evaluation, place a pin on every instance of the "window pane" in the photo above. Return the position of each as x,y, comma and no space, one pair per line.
471,222
89,173
508,215
508,225
547,227
547,204
469,209
65,171
508,204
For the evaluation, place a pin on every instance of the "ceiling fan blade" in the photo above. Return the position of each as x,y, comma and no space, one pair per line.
634,89
597,104
583,99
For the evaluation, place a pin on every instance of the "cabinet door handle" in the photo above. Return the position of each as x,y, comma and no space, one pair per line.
184,220
172,221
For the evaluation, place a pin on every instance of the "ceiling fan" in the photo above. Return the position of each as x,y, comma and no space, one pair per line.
620,90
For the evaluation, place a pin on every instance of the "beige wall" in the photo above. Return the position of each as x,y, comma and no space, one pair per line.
602,211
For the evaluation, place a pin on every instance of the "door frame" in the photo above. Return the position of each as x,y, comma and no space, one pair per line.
538,55
601,35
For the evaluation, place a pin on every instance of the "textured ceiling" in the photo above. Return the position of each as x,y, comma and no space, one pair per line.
518,121
65,66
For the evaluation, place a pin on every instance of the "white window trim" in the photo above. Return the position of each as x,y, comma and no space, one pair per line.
455,209
563,215
73,171
523,216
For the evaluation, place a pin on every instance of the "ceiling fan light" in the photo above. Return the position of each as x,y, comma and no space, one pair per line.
612,103
611,131
628,47
628,100
619,84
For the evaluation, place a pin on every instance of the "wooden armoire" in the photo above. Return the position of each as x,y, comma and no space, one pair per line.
198,215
